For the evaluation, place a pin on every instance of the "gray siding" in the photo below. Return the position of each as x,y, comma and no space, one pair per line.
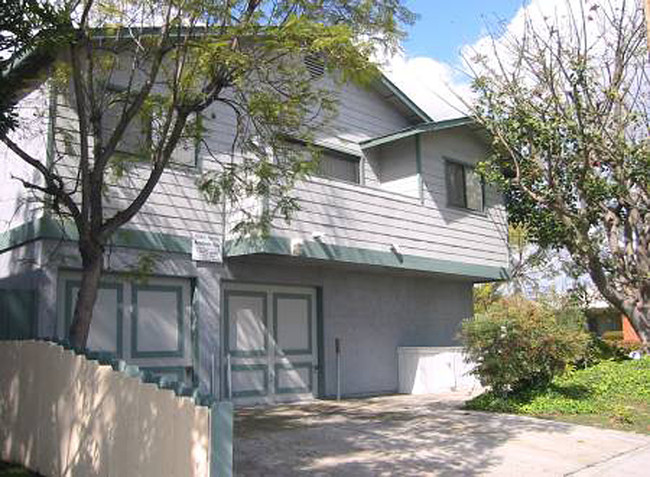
363,114
175,207
387,211
17,205
397,168
376,217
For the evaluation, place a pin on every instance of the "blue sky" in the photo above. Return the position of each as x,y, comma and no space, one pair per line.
444,26
430,69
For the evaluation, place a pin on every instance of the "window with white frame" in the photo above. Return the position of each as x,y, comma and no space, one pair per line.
464,186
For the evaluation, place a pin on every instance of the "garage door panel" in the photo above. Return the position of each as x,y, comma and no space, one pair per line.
146,322
157,321
105,333
246,323
292,323
269,343
250,380
293,378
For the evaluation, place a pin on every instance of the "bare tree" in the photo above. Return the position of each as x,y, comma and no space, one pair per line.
567,104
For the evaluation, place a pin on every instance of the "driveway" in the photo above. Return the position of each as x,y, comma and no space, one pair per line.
425,435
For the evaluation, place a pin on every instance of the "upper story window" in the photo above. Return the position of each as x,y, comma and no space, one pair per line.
464,186
332,164
338,165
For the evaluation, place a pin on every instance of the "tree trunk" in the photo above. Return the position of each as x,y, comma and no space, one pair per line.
638,313
92,259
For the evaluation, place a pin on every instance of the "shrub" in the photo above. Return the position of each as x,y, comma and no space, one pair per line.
599,350
613,335
518,345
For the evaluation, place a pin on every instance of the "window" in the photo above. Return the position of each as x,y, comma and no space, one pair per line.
332,164
339,166
464,186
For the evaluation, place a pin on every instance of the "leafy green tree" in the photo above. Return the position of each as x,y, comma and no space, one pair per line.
25,25
567,107
172,60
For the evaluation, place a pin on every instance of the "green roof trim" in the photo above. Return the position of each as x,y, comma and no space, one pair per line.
419,129
408,102
275,245
49,228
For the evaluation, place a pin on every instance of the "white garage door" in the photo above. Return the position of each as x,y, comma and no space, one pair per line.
145,323
270,343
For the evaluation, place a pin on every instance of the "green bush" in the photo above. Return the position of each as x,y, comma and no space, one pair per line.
599,350
519,345
613,336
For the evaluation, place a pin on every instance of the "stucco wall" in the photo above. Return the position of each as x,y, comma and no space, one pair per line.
372,312
63,415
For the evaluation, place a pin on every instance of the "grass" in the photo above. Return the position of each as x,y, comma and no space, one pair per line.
13,470
612,394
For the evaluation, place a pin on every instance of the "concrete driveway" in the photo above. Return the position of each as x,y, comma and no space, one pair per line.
425,435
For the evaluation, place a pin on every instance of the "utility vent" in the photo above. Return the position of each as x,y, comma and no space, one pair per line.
315,64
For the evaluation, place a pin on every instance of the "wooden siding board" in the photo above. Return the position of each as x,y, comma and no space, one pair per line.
350,215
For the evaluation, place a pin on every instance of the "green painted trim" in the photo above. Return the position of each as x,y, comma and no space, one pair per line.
49,228
51,126
415,130
18,312
288,351
226,313
320,341
179,371
321,251
418,167
419,112
221,439
194,330
294,390
69,285
180,345
248,368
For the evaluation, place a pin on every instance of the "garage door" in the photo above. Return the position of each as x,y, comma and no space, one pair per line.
270,343
145,322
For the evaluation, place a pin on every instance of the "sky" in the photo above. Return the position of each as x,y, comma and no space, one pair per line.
430,70
445,26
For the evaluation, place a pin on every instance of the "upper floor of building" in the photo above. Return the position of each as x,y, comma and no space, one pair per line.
394,188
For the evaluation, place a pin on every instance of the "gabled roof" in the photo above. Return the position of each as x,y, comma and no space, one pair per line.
429,126
32,64
391,93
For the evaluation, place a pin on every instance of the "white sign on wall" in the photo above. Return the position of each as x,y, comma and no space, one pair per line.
206,248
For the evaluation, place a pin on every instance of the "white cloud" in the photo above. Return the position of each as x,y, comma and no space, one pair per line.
436,86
